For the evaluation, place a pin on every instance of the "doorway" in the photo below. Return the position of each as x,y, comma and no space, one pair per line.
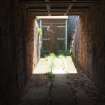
54,49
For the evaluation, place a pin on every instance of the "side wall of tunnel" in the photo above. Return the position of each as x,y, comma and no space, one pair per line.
89,45
31,44
9,87
17,46
16,50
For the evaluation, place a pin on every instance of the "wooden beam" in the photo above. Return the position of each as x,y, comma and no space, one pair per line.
57,13
48,7
69,8
60,10
58,3
43,8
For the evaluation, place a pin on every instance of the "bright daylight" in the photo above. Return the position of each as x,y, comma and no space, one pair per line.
54,50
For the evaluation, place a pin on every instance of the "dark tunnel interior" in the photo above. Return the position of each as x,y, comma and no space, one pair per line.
20,52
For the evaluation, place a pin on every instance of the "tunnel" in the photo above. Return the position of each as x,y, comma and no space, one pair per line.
20,53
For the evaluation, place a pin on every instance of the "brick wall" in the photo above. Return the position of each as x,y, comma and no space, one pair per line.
53,33
31,46
91,39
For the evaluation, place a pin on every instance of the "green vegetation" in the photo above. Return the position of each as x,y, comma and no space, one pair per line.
45,52
64,53
40,32
51,59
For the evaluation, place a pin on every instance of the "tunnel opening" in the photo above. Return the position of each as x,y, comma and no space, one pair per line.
20,54
54,69
55,79
55,44
55,88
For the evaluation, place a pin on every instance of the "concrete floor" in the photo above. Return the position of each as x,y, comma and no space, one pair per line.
57,64
60,89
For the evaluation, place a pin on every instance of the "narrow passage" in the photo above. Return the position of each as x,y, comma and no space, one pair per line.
55,81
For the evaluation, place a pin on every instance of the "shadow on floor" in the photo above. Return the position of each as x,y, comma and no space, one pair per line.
60,89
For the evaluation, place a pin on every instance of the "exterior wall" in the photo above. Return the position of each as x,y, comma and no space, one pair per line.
36,55
75,45
53,44
31,45
91,56
72,24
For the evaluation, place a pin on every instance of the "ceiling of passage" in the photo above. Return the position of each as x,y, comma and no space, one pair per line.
58,7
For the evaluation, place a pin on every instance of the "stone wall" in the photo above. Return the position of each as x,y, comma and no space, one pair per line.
91,41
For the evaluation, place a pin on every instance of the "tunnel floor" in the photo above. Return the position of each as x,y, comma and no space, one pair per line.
65,89
60,89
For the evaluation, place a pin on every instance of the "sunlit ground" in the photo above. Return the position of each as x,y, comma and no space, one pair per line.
55,64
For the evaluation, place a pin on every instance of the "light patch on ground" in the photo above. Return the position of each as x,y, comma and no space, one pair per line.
56,65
